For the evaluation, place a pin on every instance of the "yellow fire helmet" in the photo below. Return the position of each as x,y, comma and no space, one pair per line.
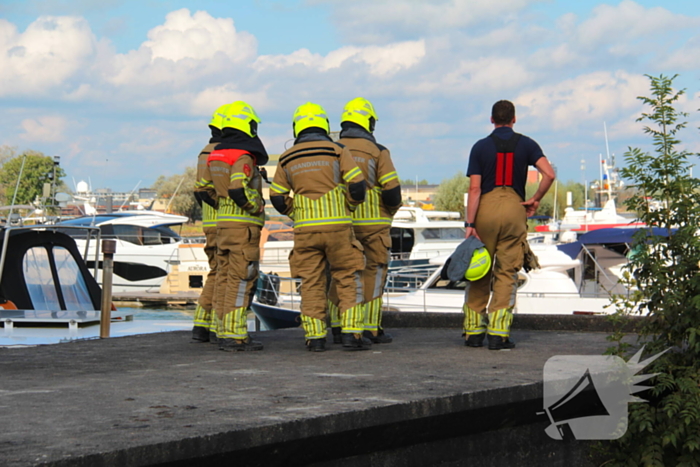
310,115
218,116
360,111
479,266
239,115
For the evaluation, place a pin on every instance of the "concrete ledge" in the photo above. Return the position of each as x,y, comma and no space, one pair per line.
500,416
578,323
157,400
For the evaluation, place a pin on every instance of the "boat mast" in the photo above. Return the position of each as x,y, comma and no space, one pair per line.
14,196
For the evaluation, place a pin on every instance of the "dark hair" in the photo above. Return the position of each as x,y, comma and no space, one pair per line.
503,112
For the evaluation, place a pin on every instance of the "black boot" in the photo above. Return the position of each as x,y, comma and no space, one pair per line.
475,340
213,338
316,345
236,345
500,343
380,338
200,334
355,342
337,337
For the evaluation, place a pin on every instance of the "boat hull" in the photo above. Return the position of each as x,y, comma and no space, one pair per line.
272,317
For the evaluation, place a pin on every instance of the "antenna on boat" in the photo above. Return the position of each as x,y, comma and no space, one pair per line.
554,213
129,195
607,148
14,196
167,208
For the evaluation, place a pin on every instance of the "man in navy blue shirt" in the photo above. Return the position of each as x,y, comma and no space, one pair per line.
497,214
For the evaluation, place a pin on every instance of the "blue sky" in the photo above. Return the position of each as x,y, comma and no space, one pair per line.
123,90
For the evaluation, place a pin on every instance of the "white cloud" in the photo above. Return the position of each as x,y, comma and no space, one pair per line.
611,24
475,77
206,101
369,21
685,58
46,56
432,69
200,37
382,61
49,129
597,97
184,49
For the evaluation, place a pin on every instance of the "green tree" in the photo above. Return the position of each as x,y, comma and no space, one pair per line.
408,182
38,170
547,205
181,187
450,194
666,431
7,153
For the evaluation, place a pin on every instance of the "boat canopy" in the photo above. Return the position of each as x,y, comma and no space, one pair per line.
43,270
611,236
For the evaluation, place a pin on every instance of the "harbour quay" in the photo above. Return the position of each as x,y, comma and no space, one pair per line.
160,400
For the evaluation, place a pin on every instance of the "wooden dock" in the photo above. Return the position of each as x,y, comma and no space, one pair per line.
138,299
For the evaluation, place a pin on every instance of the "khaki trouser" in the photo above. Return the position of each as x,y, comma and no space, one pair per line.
344,255
204,316
238,256
207,296
501,222
376,245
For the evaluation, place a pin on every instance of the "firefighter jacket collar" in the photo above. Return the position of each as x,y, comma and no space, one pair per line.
215,135
311,136
235,139
353,130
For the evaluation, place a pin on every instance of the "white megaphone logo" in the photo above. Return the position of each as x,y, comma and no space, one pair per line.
586,396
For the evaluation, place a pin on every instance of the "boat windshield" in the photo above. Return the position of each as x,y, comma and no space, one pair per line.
64,290
159,235
88,220
447,233
140,235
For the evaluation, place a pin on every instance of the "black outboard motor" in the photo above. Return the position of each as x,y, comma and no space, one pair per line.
269,289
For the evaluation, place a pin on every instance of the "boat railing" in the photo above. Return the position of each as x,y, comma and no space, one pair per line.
408,278
275,290
425,300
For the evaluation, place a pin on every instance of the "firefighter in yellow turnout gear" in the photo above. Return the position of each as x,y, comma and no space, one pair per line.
237,183
204,329
371,220
327,185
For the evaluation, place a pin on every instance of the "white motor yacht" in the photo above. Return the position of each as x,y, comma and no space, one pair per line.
146,246
574,278
415,235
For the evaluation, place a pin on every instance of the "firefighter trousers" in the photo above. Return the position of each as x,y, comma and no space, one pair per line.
308,259
238,257
501,222
204,314
377,246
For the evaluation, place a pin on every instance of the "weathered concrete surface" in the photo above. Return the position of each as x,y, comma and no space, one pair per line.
160,400
530,322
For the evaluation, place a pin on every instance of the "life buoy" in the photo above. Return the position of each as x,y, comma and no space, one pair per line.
8,305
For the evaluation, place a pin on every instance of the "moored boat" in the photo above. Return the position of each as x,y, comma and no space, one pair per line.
49,295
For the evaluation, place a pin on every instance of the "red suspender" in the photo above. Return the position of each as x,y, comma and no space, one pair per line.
499,168
505,159
509,169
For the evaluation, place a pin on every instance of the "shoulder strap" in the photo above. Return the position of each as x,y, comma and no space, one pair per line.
505,154
506,145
